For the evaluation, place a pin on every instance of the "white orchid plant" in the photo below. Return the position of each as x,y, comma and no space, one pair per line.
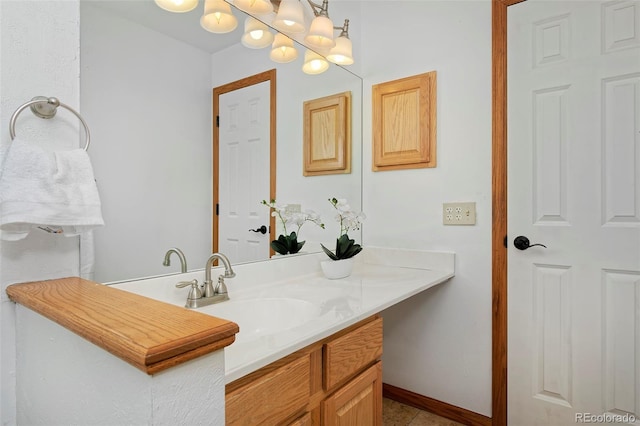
349,221
287,243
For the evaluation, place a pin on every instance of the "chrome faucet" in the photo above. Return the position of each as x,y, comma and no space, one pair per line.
209,295
220,288
183,260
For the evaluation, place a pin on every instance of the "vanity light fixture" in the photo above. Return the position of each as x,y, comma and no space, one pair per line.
256,34
342,52
255,7
178,6
320,35
282,50
290,17
217,17
314,63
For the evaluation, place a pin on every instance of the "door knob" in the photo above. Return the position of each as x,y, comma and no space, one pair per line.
522,243
262,230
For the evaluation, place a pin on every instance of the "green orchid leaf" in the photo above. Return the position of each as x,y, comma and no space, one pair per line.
279,247
292,243
286,244
343,245
283,239
329,253
295,246
353,250
345,248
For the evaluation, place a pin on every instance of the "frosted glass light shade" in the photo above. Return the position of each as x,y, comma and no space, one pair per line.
256,34
258,7
218,17
314,63
282,50
320,34
178,6
342,52
290,17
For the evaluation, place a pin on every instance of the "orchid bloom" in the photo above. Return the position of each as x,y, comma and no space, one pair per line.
348,219
287,216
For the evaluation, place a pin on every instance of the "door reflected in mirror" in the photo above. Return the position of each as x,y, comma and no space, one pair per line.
243,147
147,79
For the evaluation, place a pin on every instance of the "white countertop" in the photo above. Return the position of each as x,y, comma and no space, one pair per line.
284,305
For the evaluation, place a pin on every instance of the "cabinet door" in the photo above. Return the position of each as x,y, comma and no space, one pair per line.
358,403
302,421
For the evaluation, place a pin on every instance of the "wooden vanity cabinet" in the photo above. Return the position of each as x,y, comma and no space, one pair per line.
336,381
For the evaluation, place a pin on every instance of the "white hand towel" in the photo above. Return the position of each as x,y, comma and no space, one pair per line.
87,256
52,191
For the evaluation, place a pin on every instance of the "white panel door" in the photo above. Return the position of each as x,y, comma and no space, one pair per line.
244,172
574,185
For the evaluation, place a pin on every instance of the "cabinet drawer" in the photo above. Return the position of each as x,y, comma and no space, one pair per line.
347,355
273,398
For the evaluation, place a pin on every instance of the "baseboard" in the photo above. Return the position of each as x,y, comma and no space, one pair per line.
434,406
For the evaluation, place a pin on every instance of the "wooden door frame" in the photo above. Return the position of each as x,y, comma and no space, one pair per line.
269,76
499,210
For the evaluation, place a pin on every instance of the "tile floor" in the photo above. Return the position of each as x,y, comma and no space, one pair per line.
397,414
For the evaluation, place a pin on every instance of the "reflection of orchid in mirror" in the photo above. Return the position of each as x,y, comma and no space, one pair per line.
288,242
349,221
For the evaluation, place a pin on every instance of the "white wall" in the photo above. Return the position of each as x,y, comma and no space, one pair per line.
147,98
437,344
35,65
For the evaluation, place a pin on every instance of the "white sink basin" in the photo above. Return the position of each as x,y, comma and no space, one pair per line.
260,317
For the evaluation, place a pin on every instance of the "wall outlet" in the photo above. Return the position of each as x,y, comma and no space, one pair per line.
459,213
293,208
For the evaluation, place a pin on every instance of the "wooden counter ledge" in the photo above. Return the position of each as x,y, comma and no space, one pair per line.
146,333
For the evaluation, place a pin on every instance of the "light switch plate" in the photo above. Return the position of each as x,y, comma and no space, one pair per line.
459,213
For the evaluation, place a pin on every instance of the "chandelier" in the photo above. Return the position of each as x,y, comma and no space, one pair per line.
287,17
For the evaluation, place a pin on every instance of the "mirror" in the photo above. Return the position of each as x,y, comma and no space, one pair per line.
146,85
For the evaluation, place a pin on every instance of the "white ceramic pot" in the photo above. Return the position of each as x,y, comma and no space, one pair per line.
335,269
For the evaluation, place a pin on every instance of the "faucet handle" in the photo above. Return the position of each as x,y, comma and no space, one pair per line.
183,284
221,287
195,292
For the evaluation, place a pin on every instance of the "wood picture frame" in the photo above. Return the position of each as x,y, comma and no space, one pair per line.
327,135
404,123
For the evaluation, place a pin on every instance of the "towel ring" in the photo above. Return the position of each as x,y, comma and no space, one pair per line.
44,107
